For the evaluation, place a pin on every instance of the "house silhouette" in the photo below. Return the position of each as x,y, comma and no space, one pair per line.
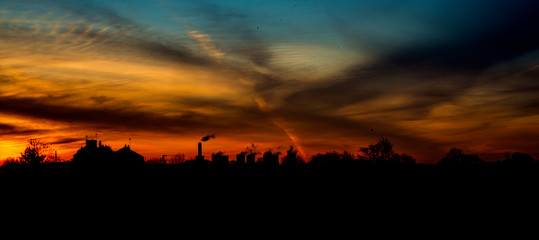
127,157
96,154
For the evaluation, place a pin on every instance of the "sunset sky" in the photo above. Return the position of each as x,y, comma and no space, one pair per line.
321,75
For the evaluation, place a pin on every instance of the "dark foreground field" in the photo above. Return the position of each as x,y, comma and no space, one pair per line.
346,179
328,202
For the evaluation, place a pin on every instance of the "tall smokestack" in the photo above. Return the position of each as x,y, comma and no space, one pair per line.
199,149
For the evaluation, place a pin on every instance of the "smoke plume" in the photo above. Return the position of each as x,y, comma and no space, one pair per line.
206,138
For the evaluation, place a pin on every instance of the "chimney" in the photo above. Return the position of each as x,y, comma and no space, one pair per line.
199,149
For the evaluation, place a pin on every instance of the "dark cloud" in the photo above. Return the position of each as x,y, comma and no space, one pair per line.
66,140
517,81
488,47
101,99
257,54
520,105
355,86
360,84
8,129
246,112
121,117
268,84
125,117
331,95
461,35
170,52
516,92
519,90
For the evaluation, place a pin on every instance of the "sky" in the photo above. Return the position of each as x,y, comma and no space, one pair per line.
317,75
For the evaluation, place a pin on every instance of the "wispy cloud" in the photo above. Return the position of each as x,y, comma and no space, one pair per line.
207,44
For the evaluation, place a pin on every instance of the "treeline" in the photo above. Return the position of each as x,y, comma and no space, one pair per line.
380,155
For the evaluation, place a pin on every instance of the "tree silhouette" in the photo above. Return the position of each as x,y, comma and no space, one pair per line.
11,163
331,159
35,152
518,159
380,152
403,159
455,157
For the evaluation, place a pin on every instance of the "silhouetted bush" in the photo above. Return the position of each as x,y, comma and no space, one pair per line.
455,157
14,163
518,159
403,159
331,159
